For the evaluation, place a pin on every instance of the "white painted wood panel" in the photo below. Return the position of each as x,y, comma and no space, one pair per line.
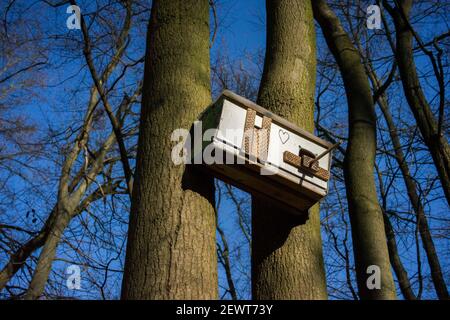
284,136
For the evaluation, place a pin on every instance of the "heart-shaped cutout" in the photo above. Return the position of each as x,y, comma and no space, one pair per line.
284,136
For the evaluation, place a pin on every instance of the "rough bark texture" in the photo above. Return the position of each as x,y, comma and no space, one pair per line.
368,234
171,252
287,261
437,144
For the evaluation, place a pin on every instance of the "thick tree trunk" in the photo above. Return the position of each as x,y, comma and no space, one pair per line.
437,144
171,252
368,234
287,261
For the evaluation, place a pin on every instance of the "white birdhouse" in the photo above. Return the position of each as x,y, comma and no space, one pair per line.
260,152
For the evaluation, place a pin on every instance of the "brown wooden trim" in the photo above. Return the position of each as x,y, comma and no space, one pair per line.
264,139
304,163
256,141
249,133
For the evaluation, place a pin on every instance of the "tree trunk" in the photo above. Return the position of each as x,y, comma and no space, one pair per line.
171,250
437,143
369,237
46,257
397,265
416,203
19,257
287,261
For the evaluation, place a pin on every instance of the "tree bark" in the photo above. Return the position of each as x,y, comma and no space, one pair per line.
224,258
287,261
437,143
397,265
416,203
171,250
48,253
369,238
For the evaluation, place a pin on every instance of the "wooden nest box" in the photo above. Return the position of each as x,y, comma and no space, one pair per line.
264,154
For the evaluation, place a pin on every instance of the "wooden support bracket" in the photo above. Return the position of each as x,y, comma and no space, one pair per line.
307,163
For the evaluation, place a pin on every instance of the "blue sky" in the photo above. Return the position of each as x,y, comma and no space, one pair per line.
241,32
